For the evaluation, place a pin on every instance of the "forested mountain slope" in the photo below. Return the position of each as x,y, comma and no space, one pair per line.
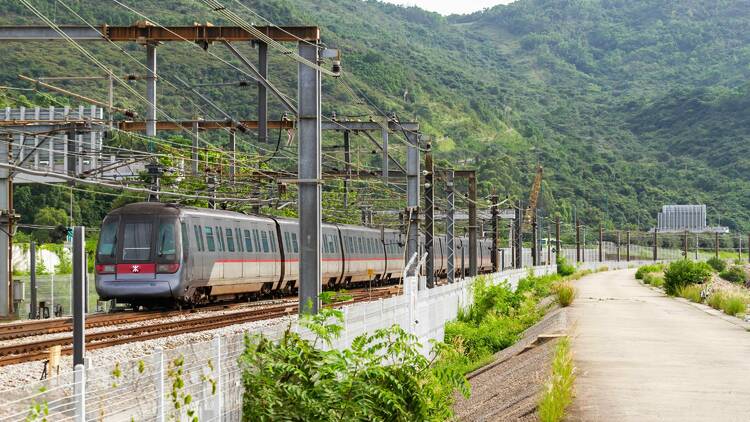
628,104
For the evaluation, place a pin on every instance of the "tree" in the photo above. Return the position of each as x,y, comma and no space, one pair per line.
49,216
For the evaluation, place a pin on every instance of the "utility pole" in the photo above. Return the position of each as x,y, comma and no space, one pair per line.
578,242
518,241
262,92
716,244
412,200
450,238
534,240
429,214
619,233
79,295
347,166
601,242
32,275
627,247
233,156
151,93
656,247
512,241
384,138
6,205
549,243
194,151
685,244
558,244
495,233
473,223
309,162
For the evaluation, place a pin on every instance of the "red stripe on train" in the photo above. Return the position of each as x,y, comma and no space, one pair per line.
226,261
136,268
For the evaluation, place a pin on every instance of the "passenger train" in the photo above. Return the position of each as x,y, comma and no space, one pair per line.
152,252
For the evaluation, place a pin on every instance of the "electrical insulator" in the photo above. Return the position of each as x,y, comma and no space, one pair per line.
336,68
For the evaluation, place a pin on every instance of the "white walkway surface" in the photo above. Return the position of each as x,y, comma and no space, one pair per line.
642,356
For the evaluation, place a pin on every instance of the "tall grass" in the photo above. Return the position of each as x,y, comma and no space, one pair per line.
558,393
691,292
716,300
733,305
646,269
565,293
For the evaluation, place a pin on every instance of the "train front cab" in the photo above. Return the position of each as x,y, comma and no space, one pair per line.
139,257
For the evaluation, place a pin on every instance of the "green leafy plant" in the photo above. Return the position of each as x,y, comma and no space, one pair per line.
735,274
653,279
382,376
683,272
646,269
558,392
38,410
329,297
691,292
717,264
181,400
563,268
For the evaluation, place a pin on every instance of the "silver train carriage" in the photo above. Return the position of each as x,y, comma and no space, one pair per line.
151,252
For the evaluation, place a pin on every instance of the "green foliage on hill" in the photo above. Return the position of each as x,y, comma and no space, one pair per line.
629,104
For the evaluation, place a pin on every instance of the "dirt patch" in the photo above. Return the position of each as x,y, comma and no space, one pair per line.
508,389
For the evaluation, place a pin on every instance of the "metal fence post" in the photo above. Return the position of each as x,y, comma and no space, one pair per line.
159,383
656,244
33,313
79,380
219,390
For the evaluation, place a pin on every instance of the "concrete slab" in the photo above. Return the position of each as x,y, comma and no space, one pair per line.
642,356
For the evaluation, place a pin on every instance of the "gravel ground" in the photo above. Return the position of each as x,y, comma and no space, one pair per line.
186,316
508,389
13,376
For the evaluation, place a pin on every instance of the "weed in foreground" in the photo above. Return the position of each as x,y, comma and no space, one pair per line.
558,393
565,293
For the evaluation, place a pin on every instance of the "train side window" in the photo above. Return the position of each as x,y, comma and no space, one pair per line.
230,240
294,243
286,242
349,247
331,244
220,238
264,239
210,239
273,241
360,248
248,241
238,235
256,238
198,237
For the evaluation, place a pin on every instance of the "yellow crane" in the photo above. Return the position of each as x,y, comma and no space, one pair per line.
533,197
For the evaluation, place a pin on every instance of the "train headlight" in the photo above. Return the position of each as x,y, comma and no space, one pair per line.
105,269
167,268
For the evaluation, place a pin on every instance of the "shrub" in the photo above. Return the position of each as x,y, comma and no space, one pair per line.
332,297
656,280
716,300
651,268
733,305
565,294
683,272
558,393
563,268
735,274
382,376
717,264
691,292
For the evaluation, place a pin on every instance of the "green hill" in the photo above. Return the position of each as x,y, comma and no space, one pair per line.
628,104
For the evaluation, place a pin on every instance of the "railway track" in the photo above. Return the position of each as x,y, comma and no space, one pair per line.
38,350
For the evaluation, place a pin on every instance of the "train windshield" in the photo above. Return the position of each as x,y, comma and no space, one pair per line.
167,241
108,239
136,242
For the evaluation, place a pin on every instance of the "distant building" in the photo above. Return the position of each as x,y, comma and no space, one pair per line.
680,218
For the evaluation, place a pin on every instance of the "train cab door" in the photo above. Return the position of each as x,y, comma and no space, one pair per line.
196,252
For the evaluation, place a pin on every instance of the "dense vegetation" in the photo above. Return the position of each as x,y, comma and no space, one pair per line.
628,104
382,376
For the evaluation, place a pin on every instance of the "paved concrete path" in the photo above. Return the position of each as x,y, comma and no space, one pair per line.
642,356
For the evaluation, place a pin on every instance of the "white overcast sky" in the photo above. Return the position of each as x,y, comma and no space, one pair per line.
446,7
